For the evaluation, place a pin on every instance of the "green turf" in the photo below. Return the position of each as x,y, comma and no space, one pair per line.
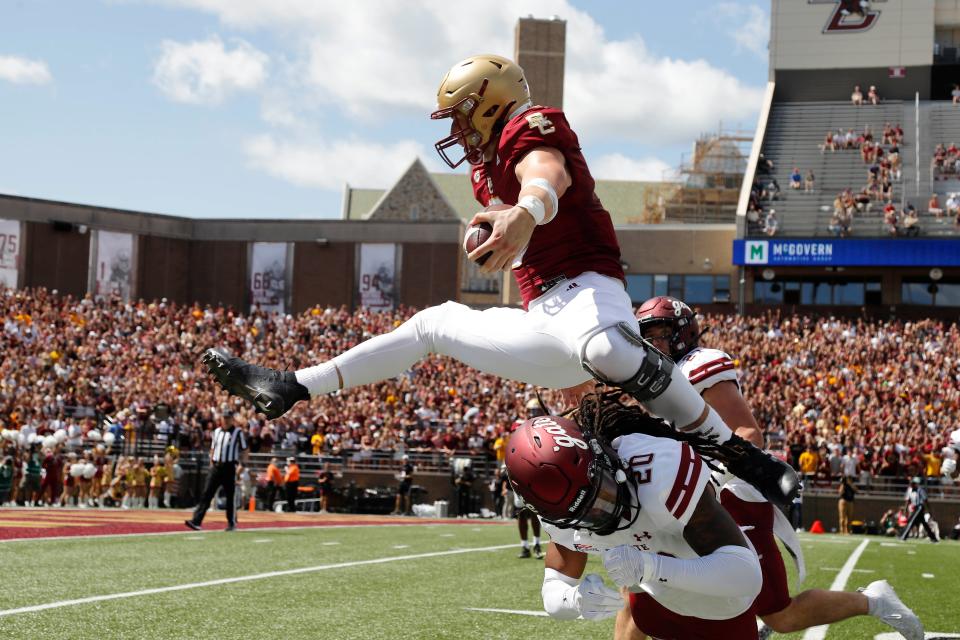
413,598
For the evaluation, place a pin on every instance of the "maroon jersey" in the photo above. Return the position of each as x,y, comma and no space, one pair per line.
580,236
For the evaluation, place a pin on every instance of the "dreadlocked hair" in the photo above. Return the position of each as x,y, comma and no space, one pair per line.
605,416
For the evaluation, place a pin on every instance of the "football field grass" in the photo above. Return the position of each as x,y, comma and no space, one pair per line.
370,583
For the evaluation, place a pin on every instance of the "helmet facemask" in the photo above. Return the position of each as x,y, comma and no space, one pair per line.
462,132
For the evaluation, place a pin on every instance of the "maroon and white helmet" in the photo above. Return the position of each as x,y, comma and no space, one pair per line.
680,317
568,478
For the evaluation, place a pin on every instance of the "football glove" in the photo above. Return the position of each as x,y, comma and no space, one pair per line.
948,467
596,600
627,565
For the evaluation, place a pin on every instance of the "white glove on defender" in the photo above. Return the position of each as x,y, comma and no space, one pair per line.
955,439
948,467
627,565
566,599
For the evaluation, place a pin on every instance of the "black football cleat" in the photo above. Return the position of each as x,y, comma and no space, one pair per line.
193,525
271,392
537,552
774,478
524,552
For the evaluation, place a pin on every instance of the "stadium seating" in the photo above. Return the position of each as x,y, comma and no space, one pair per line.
794,133
835,383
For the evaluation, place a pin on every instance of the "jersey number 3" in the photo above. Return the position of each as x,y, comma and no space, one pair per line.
537,121
641,467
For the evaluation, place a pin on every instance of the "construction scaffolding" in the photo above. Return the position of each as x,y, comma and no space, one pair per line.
709,179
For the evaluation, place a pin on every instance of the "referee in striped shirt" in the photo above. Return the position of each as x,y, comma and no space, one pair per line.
228,446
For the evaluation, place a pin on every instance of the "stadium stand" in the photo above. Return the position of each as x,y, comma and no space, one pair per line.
794,133
869,389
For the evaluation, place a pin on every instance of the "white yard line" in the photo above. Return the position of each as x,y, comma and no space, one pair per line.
247,578
519,612
819,633
85,537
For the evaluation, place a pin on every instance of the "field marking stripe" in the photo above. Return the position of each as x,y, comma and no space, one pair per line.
256,576
250,527
518,612
839,583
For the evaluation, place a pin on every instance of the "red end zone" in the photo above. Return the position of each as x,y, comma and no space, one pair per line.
49,523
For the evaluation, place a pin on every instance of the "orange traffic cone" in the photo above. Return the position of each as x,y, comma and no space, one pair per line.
816,527
253,504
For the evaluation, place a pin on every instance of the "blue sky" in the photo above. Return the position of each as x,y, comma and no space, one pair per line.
265,108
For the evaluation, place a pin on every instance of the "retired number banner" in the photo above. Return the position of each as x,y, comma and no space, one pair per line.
268,276
377,275
9,252
114,268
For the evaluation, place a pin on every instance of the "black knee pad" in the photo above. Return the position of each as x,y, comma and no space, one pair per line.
653,376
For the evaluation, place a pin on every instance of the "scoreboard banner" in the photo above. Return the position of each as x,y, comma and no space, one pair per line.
9,252
817,252
268,276
113,273
377,276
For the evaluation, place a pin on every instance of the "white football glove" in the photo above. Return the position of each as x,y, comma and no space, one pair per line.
955,439
627,565
596,600
948,467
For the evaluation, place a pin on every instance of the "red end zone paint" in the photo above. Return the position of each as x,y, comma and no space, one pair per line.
49,523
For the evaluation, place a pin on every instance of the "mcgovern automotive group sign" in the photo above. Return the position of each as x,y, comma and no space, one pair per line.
847,252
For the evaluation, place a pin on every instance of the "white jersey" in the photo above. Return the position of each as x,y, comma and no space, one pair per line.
706,367
670,479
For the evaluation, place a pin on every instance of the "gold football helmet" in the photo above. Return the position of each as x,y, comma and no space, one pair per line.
478,94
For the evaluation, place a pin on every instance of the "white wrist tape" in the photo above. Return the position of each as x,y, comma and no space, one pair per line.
534,207
559,593
543,183
730,571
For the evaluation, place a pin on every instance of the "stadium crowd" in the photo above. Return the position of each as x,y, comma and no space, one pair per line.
864,398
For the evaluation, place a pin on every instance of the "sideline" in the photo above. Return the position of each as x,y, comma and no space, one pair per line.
256,576
839,583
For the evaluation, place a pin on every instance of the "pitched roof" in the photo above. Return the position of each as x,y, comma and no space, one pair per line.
415,196
624,199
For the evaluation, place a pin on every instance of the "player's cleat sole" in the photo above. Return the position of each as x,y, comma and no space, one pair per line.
193,525
271,392
890,610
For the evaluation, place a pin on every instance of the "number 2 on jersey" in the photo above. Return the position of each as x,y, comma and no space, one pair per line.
641,467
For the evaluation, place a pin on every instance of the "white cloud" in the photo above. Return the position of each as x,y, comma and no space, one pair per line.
373,60
24,71
206,72
750,29
616,166
370,55
328,164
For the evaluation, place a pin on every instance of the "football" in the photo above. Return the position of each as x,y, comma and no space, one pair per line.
477,234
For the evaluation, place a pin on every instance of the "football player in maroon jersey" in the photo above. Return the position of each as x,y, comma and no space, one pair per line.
559,241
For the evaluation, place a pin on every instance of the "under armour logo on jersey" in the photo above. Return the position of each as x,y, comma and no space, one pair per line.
573,285
640,537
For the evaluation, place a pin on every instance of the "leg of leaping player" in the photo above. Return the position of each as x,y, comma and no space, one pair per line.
560,243
672,327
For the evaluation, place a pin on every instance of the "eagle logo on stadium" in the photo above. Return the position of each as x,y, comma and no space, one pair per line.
850,15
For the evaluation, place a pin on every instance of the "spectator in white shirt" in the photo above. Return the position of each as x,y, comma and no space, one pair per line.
771,224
